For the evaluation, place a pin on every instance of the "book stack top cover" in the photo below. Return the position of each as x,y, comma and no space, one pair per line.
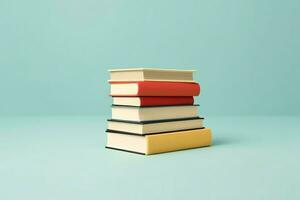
153,111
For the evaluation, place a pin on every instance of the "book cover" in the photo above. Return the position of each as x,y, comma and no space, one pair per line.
152,127
160,143
153,101
136,113
151,88
151,74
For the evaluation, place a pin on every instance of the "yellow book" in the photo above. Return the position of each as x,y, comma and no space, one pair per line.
160,142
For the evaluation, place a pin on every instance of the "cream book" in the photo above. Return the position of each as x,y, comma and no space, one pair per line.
153,101
159,143
133,113
150,127
151,74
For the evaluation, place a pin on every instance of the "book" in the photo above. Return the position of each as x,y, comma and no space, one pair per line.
151,127
150,74
152,101
151,88
135,113
159,143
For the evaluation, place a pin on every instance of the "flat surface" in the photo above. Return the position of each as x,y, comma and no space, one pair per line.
63,157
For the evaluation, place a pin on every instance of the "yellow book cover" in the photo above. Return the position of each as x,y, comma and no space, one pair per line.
159,143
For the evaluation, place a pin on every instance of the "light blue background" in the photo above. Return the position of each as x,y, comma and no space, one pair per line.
54,54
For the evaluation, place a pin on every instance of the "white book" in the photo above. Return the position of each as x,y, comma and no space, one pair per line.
150,127
151,74
132,113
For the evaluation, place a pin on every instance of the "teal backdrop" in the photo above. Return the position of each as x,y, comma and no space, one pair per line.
54,55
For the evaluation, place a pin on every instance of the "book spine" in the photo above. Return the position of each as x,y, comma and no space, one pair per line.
168,89
161,101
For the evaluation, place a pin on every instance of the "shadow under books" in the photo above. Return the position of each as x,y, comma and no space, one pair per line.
223,140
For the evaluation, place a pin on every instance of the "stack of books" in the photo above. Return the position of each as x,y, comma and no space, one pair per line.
153,111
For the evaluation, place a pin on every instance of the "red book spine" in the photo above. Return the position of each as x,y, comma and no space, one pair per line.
168,89
157,88
163,101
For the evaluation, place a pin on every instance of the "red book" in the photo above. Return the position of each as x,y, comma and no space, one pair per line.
153,101
154,88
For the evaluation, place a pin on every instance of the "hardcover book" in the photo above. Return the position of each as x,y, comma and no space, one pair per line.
150,74
132,113
159,143
151,88
158,126
152,101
